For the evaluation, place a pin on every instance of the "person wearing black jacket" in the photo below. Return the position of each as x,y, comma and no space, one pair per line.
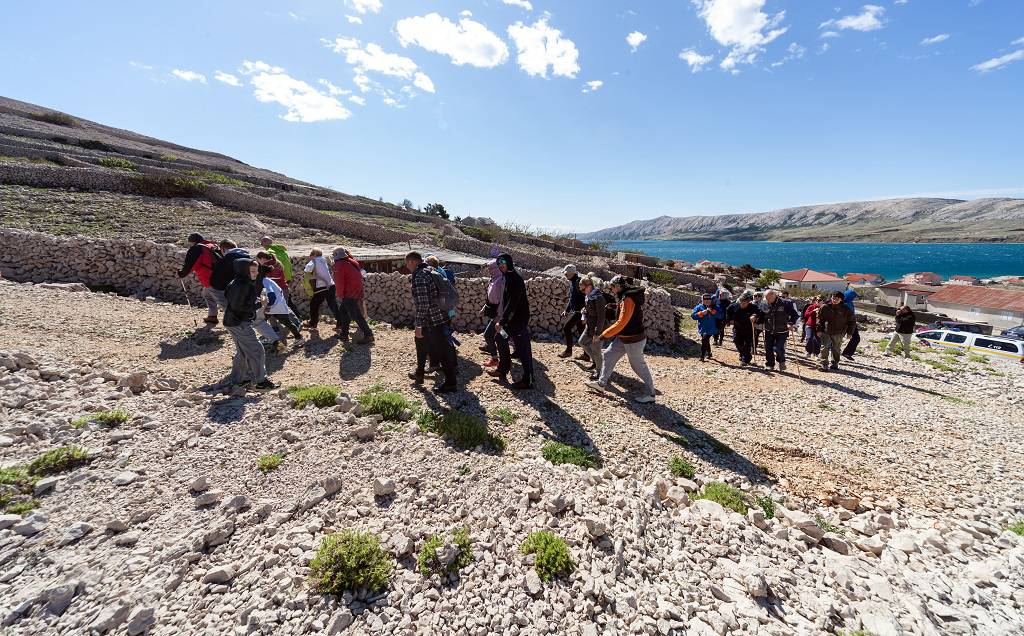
743,314
224,270
905,323
513,324
248,368
573,312
779,317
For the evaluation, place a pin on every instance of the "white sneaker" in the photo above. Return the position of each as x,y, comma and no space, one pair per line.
644,399
597,386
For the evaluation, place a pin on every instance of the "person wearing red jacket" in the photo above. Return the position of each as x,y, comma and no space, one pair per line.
200,258
813,342
348,287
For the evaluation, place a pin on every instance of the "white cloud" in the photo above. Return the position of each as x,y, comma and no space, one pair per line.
467,42
353,19
372,58
592,86
829,34
365,6
741,25
999,62
140,66
696,61
523,4
422,82
539,46
899,1
303,102
332,89
227,78
942,37
356,99
1018,41
189,76
363,82
869,19
635,39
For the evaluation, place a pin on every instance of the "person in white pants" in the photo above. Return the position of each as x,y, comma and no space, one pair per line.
905,323
630,338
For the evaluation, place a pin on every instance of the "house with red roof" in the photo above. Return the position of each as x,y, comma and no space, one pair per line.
922,278
809,279
1001,308
864,279
909,294
964,280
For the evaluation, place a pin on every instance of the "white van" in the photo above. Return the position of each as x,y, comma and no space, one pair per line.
995,346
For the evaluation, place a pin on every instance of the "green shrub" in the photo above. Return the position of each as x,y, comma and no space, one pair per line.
724,494
463,430
935,364
58,460
168,157
428,562
486,233
214,177
559,453
956,353
1017,528
17,477
826,526
680,467
168,187
21,507
348,561
118,162
661,278
53,117
267,463
505,416
388,404
111,419
767,505
319,395
552,555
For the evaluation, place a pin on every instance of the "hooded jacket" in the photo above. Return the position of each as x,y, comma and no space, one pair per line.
905,322
576,297
596,321
515,306
707,317
740,316
243,294
348,278
224,270
629,326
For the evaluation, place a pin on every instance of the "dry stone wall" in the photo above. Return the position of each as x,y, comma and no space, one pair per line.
146,268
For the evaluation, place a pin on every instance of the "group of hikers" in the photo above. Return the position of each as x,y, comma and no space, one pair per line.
605,320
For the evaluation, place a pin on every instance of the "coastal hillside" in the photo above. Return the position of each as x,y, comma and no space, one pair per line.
912,220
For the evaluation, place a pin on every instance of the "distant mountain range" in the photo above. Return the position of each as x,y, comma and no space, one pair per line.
912,220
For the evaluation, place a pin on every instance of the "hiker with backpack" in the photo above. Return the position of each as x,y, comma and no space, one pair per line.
248,367
628,338
285,261
594,322
434,263
572,314
348,281
495,288
513,327
224,270
277,311
433,297
320,286
200,258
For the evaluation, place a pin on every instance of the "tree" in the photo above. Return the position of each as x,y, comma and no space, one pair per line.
436,209
407,204
748,271
768,278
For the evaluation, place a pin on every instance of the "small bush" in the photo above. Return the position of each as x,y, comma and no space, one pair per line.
118,162
724,494
463,430
348,561
1017,528
168,157
661,278
826,526
58,460
559,453
319,395
168,187
505,416
111,419
21,507
956,353
214,177
388,404
17,477
428,562
680,467
52,117
767,505
552,555
267,463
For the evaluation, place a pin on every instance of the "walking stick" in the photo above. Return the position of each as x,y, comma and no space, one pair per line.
191,309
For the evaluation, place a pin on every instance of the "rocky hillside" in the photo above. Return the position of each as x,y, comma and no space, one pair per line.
892,220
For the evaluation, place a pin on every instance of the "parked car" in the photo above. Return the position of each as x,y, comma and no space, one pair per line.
994,346
954,325
1014,332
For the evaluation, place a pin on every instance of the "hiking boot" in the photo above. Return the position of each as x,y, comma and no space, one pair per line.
210,320
434,368
416,377
782,367
522,385
446,388
484,349
565,354
312,326
644,399
850,358
834,366
265,385
597,386
494,373
583,357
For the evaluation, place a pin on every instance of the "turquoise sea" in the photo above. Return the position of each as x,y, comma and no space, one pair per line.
891,260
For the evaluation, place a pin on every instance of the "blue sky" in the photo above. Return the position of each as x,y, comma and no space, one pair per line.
568,115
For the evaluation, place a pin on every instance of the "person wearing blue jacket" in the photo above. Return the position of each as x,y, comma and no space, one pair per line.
722,298
706,315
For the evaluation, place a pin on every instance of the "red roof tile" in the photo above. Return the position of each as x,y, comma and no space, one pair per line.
980,297
809,276
912,287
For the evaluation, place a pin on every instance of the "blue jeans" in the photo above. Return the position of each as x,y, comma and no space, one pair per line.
775,347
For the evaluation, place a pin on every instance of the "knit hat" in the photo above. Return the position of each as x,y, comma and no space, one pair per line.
195,237
569,269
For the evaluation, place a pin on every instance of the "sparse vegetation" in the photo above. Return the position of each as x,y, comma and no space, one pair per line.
267,463
955,400
110,419
168,157
17,477
768,278
388,404
429,562
319,395
21,507
725,495
169,187
348,561
1017,528
58,460
766,505
974,357
209,176
941,366
552,555
118,162
826,526
505,416
680,467
52,117
559,453
825,406
661,278
463,430
45,162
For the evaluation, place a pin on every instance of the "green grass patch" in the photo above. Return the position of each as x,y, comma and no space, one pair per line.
1017,528
955,400
428,561
941,366
552,555
463,430
58,460
21,507
974,357
348,561
680,467
267,463
17,477
559,453
766,505
825,406
214,177
826,526
388,404
319,395
505,416
118,162
956,353
168,187
725,495
110,419
51,117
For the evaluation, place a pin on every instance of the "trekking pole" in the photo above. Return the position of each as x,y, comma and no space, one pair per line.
191,309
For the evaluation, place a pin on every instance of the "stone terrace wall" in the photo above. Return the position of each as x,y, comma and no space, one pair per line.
146,268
